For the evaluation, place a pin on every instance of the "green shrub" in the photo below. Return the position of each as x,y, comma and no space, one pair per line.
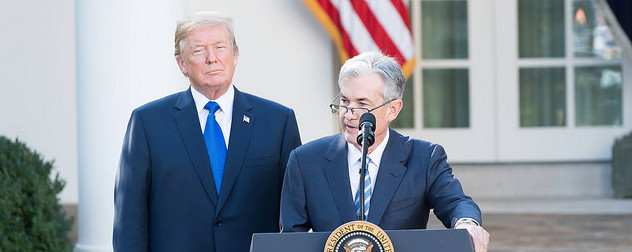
31,218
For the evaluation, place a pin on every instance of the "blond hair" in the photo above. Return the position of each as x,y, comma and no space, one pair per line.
200,20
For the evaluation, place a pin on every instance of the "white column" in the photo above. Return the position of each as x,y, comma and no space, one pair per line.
124,59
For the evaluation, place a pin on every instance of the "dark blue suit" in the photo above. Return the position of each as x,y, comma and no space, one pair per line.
413,178
165,196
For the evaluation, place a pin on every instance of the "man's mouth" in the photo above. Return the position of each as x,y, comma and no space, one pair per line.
350,126
216,71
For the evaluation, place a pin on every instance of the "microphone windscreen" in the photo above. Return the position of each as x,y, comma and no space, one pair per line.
367,117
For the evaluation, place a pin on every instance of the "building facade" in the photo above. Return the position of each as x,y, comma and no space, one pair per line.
512,89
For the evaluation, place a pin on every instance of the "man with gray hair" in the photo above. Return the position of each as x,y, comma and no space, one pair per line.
405,177
202,169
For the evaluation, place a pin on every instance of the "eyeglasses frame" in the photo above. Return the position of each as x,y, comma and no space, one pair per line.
335,108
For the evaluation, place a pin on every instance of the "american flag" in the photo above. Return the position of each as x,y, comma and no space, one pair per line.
358,26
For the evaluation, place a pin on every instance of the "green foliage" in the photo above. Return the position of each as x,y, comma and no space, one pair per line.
31,218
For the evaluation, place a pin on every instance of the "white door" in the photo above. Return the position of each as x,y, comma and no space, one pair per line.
560,79
517,80
450,99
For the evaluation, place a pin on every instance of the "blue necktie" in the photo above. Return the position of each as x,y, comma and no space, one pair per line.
367,191
215,144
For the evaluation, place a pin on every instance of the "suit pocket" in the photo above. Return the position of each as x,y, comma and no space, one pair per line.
261,162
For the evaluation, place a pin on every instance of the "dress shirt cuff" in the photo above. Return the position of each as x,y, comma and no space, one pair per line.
469,221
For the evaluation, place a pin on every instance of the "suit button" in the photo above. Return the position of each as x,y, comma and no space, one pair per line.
218,223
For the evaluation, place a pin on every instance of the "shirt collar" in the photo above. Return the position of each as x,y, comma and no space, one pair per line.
225,101
353,154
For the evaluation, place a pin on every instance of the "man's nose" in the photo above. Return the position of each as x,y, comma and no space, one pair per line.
210,56
350,114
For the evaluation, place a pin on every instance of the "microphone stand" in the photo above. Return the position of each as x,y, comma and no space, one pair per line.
365,150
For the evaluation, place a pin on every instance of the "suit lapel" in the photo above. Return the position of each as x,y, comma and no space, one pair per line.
240,136
189,126
389,176
337,173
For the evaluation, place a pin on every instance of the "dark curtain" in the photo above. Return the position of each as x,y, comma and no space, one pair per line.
623,10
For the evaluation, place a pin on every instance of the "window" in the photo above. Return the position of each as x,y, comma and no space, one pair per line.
445,88
544,61
517,80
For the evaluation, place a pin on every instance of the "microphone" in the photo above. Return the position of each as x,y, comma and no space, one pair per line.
367,128
366,136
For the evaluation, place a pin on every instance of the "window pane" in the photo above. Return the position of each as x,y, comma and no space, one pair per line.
541,28
446,98
598,95
444,29
406,117
542,97
592,36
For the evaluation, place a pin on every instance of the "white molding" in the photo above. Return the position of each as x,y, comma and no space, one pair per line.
87,248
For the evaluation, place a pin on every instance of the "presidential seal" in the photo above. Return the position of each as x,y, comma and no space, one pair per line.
358,236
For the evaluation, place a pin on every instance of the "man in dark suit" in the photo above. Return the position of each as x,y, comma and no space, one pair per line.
405,179
202,170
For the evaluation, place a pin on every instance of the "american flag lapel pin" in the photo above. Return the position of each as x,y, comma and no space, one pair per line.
246,119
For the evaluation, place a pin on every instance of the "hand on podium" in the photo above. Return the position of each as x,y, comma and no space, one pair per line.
480,237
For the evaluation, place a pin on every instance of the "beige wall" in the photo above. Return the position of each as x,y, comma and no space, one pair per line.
37,82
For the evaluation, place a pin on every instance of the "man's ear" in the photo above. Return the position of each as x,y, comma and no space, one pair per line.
182,65
393,108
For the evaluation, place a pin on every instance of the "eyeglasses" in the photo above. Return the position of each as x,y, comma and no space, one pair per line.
342,110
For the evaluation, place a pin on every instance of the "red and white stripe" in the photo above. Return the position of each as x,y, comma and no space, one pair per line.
360,26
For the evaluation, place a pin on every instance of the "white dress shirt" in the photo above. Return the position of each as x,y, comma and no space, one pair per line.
353,157
223,116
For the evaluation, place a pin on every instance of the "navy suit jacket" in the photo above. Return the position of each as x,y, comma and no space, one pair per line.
165,196
413,178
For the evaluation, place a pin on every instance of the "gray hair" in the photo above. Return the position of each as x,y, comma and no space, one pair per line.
376,62
200,20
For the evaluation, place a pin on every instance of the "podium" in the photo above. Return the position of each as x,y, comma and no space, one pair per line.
416,240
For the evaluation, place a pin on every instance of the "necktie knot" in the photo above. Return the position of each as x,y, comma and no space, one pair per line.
368,161
212,107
